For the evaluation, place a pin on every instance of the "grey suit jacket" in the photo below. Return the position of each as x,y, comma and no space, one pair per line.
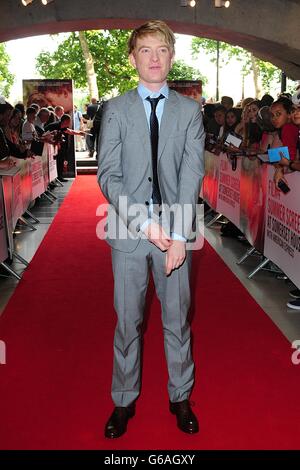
125,165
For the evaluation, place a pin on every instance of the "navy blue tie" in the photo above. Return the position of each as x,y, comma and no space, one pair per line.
154,132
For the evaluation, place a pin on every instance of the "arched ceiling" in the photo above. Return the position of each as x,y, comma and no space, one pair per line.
268,28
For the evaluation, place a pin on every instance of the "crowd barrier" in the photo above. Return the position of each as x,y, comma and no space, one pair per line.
242,189
19,187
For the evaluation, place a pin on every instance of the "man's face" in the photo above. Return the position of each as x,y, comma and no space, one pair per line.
60,112
65,123
153,59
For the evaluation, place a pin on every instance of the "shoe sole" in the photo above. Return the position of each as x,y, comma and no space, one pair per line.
294,296
293,307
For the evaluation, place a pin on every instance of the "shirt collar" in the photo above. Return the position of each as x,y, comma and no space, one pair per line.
144,92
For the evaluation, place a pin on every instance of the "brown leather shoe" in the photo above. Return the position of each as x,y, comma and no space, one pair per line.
186,420
117,423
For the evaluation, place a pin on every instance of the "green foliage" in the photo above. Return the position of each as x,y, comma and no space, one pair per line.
181,71
6,78
109,51
267,72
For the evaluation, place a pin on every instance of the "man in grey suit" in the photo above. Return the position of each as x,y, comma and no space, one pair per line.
150,170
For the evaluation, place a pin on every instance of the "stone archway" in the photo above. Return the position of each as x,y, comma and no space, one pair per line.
268,28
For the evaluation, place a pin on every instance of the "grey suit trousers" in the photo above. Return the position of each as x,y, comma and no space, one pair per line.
131,275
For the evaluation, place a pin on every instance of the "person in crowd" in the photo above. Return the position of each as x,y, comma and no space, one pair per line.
253,132
284,95
59,112
208,113
13,128
129,166
97,124
240,128
270,137
62,130
227,102
36,107
7,163
266,100
29,132
214,125
5,114
61,127
246,101
7,147
41,120
20,107
52,117
281,111
91,112
78,126
232,118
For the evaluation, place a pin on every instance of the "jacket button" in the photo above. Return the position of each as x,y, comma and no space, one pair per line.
150,179
147,203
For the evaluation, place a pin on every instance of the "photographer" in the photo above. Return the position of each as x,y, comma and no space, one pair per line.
61,138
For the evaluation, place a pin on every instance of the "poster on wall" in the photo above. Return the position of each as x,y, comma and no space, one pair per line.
53,93
190,88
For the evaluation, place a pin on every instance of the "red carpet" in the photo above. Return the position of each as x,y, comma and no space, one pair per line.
58,328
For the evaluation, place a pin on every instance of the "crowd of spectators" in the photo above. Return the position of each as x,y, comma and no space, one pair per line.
24,132
256,126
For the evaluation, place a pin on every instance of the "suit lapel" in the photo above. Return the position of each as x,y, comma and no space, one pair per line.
168,122
137,116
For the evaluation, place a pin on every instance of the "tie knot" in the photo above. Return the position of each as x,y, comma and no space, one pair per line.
154,101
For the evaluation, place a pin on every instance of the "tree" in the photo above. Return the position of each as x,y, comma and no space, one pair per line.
106,51
181,71
89,65
6,78
263,72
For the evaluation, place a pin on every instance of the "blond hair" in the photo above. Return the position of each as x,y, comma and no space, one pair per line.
152,27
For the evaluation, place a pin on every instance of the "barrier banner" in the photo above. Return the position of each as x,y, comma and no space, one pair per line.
22,188
38,184
3,239
282,221
7,177
228,201
51,151
17,201
45,167
253,200
211,180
